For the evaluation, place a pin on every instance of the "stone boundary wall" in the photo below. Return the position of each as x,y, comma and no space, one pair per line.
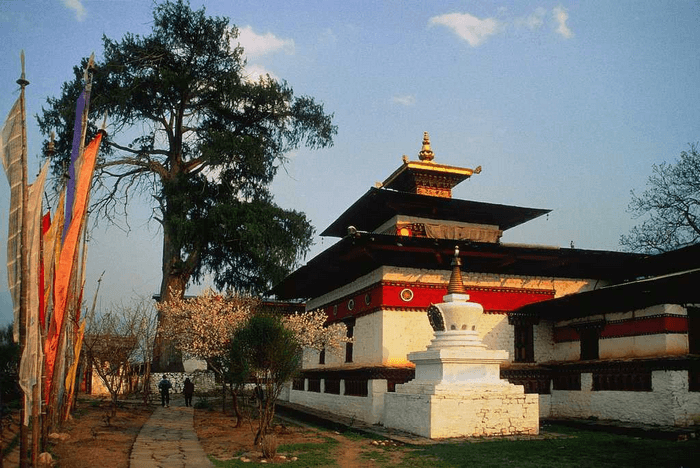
670,402
367,409
204,381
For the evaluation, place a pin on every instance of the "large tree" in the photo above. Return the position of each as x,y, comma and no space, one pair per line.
670,206
189,131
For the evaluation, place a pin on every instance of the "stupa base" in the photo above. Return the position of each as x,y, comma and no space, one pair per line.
439,411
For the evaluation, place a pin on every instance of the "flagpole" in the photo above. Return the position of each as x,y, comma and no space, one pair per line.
24,268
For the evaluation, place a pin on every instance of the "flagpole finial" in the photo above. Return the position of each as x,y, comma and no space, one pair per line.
89,68
51,145
22,79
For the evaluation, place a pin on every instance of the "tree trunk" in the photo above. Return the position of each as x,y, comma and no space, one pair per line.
236,408
173,285
223,395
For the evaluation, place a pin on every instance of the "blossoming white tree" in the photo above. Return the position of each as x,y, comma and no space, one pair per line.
202,327
311,332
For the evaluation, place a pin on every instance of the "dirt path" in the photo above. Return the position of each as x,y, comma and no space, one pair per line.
353,453
348,452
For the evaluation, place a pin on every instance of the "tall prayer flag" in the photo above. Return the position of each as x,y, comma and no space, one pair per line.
11,155
79,130
43,286
32,357
74,155
70,376
66,261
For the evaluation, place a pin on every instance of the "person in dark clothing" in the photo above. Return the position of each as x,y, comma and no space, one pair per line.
188,390
164,386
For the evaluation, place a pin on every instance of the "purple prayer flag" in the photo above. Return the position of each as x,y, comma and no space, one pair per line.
74,155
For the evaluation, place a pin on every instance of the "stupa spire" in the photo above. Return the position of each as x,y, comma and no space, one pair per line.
456,286
426,153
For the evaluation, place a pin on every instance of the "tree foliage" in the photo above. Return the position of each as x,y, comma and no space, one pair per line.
269,355
191,133
670,206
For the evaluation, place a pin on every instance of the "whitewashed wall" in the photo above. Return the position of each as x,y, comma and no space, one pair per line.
403,332
368,409
662,344
670,402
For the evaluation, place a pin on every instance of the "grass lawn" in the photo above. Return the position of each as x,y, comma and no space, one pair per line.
581,449
568,448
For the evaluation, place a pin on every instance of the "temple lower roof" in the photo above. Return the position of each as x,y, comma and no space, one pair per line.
379,205
357,255
668,278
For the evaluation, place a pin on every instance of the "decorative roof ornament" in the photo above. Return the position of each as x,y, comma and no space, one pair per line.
425,176
426,154
456,286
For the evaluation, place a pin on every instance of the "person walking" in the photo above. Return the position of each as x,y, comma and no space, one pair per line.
164,386
188,390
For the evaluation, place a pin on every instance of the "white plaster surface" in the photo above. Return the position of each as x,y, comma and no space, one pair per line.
643,346
669,403
476,413
368,409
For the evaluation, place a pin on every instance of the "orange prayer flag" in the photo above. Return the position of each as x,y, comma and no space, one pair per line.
67,259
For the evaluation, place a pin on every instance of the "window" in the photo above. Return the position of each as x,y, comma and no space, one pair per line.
332,386
524,342
298,383
348,346
523,334
322,356
567,381
315,385
589,343
694,348
623,379
694,330
356,387
350,324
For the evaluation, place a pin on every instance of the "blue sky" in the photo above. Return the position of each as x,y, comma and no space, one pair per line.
565,105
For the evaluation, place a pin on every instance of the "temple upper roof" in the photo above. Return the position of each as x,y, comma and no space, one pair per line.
425,177
417,200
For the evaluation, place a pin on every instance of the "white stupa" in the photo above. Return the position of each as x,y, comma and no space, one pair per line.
457,390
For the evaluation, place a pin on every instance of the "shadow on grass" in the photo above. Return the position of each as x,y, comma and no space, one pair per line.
561,447
580,449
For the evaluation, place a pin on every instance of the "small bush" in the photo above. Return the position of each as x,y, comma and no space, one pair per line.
203,403
269,446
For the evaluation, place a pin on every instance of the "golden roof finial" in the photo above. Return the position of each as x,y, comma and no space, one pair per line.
456,286
426,154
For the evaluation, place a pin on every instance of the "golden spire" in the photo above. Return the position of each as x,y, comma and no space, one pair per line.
456,286
426,154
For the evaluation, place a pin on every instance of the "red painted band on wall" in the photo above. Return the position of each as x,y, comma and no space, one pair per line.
652,325
411,296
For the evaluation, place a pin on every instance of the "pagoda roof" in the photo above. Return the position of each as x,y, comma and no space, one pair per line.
379,205
421,176
667,278
357,255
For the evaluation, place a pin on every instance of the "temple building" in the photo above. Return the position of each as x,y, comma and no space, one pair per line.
601,334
